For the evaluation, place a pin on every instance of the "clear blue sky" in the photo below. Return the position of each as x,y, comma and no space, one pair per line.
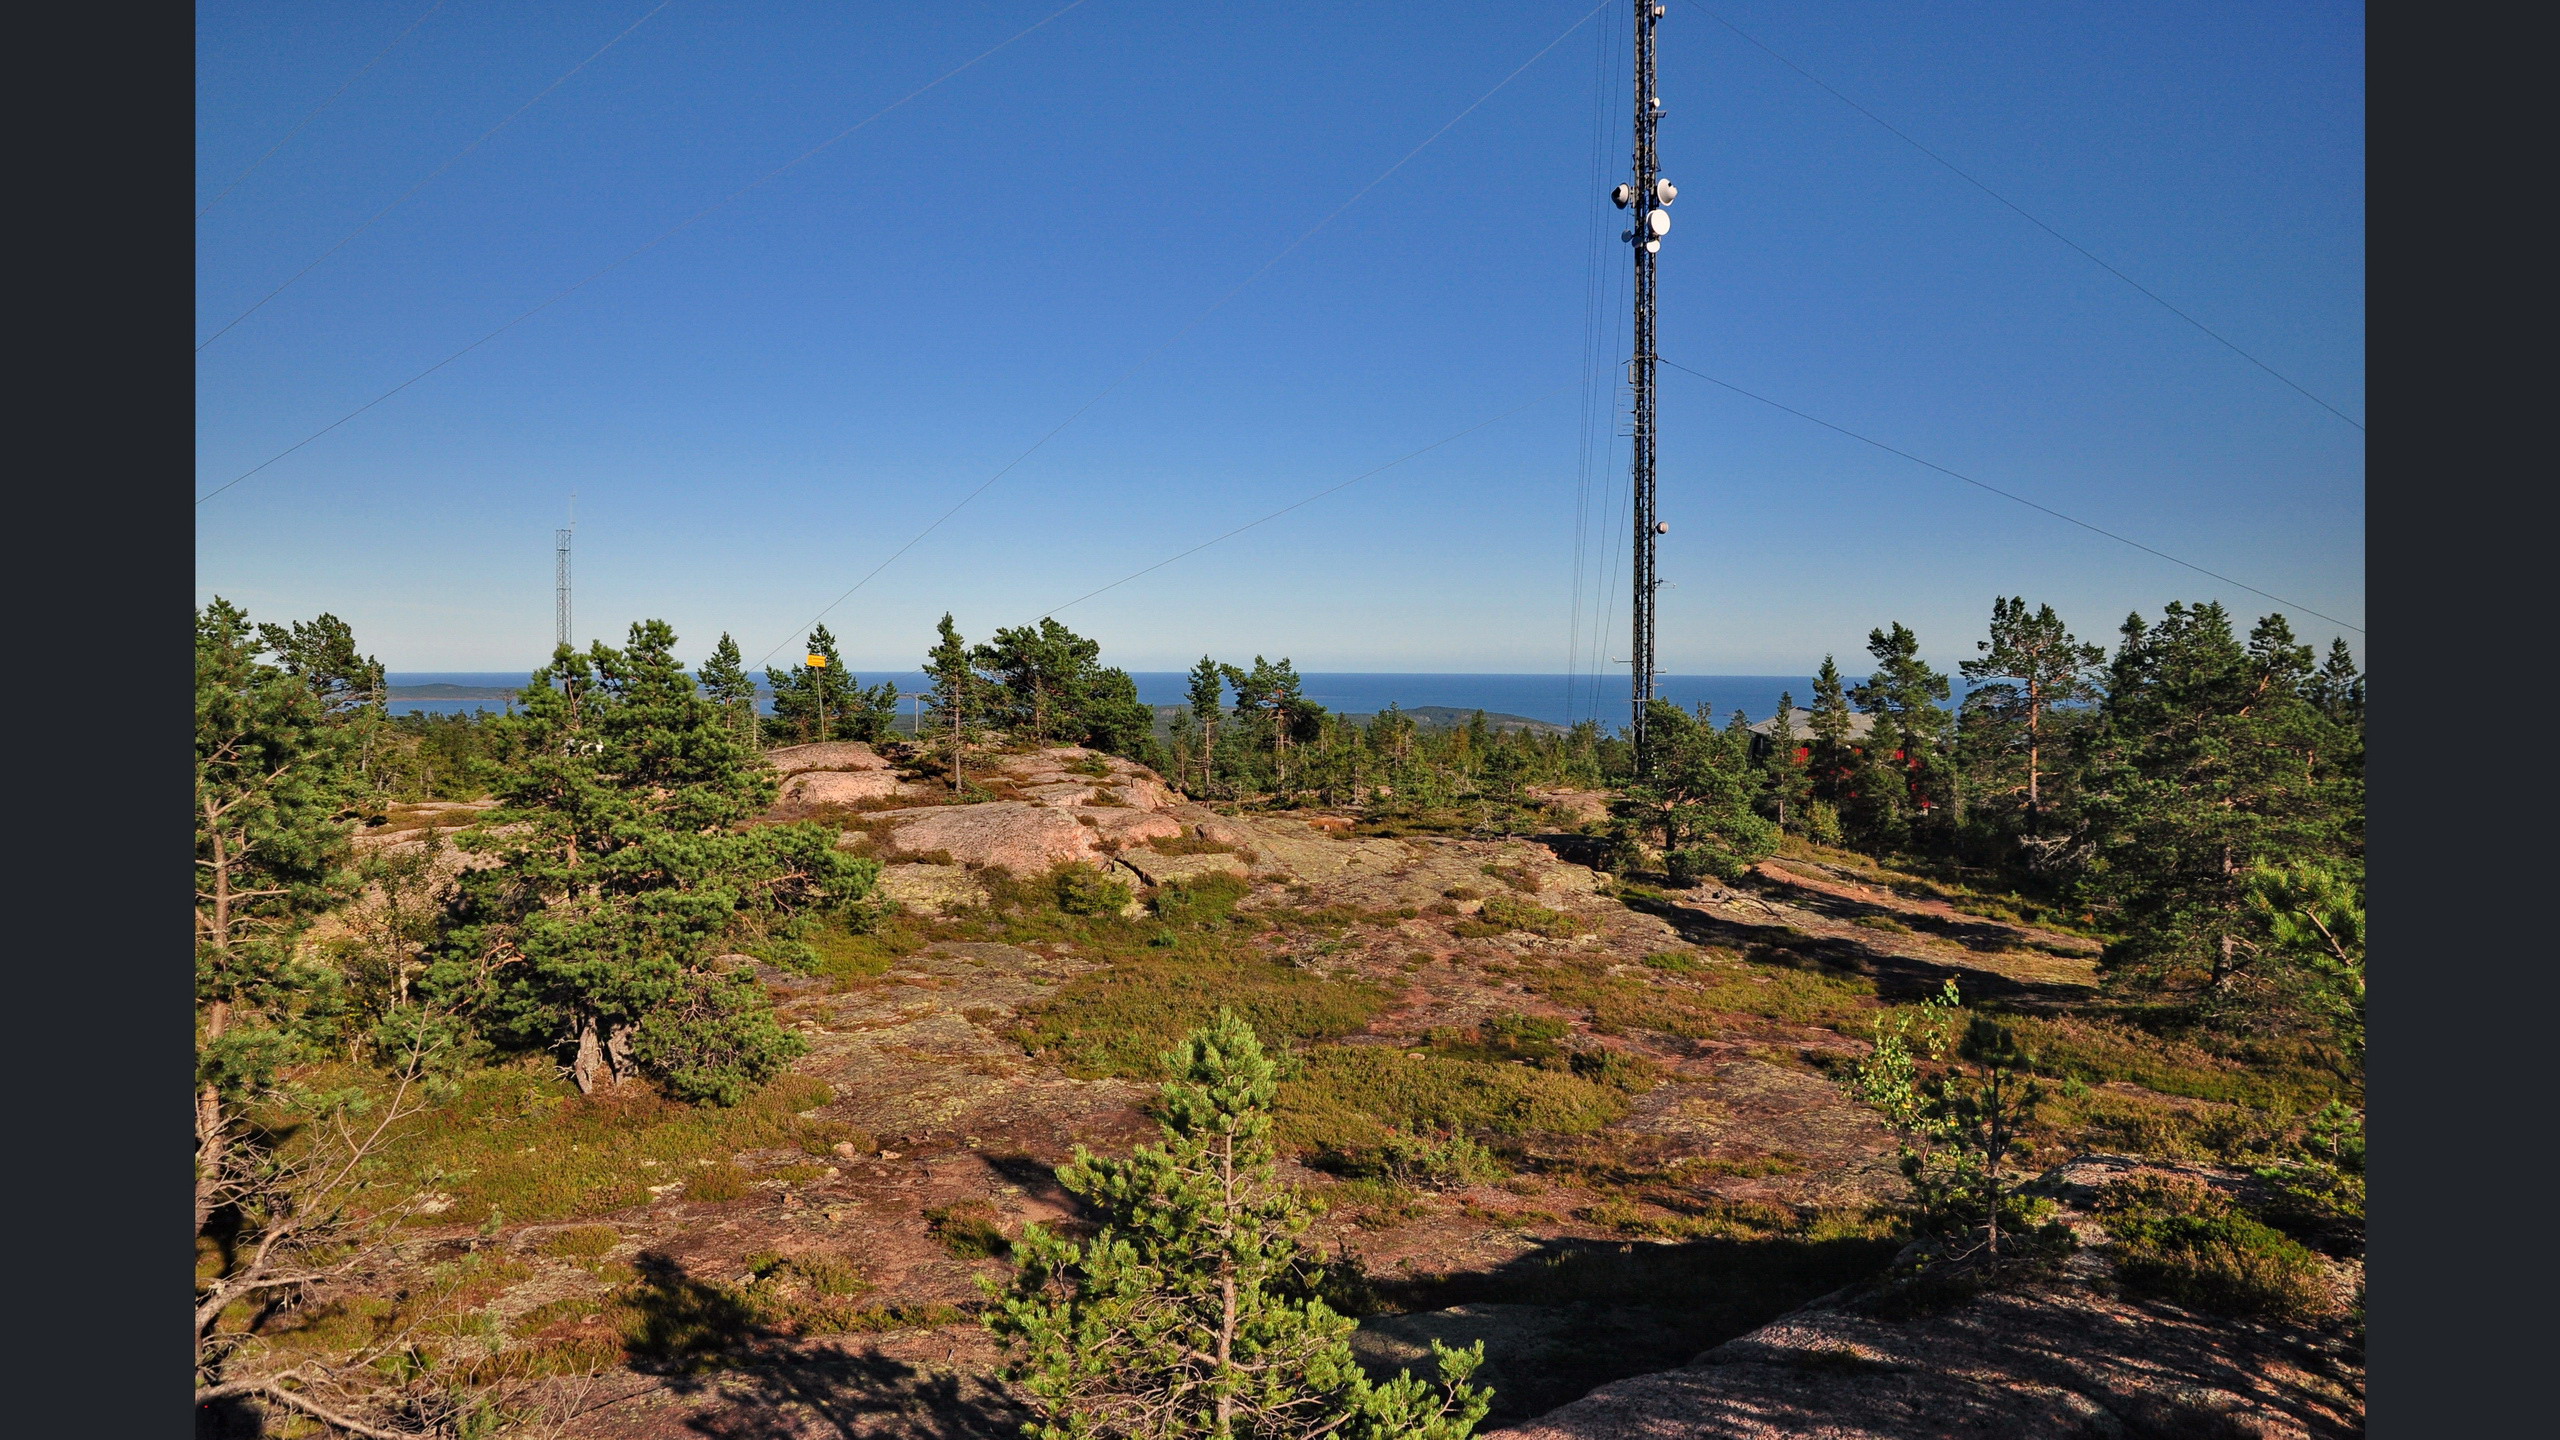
758,411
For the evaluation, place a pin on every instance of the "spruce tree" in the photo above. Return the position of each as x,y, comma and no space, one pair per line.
725,679
2030,667
1911,732
1192,1312
1835,757
624,869
1785,786
822,702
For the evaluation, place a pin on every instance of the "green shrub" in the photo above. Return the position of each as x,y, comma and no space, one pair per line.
520,1142
1617,1069
967,1228
1349,1097
1677,962
2320,1206
1081,891
581,1242
1201,902
2181,1241
1515,914
1121,1020
716,1184
1885,923
1427,1161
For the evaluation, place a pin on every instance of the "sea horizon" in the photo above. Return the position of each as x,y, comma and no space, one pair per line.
1553,698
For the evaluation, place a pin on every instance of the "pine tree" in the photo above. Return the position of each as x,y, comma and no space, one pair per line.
725,679
2210,764
624,870
273,778
2029,668
322,654
957,691
1696,800
1192,1312
1040,671
1208,680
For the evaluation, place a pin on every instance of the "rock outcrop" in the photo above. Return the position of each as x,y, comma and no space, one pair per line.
2063,1354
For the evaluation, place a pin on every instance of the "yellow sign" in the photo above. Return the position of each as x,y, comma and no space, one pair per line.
817,662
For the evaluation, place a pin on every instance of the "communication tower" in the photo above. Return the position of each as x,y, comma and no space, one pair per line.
1645,199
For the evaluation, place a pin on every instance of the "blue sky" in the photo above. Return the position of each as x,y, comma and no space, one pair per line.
760,410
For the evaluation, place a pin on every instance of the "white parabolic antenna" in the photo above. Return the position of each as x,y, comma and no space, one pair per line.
1659,222
1664,192
1653,247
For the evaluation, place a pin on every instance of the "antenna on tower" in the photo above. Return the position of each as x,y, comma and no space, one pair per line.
561,549
1644,201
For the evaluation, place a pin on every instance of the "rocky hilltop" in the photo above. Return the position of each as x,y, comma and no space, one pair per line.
1677,1243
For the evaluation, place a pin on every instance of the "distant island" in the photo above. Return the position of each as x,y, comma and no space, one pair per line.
446,692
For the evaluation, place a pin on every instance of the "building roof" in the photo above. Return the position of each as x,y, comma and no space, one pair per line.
1802,720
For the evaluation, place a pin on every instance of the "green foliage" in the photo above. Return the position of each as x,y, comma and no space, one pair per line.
1050,686
274,771
1347,1097
2181,1241
1186,1315
514,1141
1695,799
1960,1106
1082,890
1786,782
1512,913
2031,677
1120,1021
1203,901
625,872
967,1228
1426,1160
812,702
2211,765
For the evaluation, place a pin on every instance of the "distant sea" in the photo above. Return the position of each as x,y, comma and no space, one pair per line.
1557,699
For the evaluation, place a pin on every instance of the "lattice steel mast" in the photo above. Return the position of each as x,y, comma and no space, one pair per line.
1644,199
560,603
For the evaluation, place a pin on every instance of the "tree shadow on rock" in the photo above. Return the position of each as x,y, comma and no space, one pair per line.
1896,976
835,1393
1573,1314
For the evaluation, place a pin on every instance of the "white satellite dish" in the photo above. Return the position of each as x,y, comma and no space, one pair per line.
1653,247
1659,222
1664,192
1661,527
1622,195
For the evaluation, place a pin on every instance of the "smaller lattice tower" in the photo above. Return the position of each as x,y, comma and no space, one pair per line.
560,604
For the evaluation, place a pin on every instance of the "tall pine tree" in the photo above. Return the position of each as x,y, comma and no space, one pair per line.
1208,682
2212,764
274,773
2029,669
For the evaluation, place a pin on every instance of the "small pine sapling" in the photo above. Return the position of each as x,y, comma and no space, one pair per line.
1191,1313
